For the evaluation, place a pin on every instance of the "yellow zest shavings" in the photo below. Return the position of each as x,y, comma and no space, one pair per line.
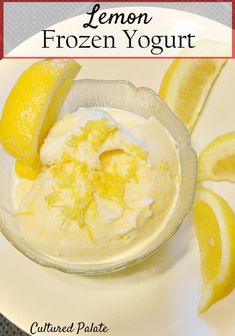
89,232
95,131
137,152
80,184
72,179
110,186
24,213
53,198
132,169
66,157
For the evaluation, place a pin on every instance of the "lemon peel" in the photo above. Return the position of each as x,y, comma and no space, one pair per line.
28,172
215,230
33,106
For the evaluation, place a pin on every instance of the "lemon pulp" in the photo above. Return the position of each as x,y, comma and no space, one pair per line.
217,160
186,85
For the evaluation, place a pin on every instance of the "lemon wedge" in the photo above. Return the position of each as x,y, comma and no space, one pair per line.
27,172
186,86
215,230
217,160
33,106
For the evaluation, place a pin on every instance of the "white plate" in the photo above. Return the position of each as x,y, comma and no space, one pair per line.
159,296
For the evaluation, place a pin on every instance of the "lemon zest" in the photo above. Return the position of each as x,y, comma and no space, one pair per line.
95,131
83,183
24,213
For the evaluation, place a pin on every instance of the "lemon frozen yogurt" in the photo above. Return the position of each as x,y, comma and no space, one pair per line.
110,179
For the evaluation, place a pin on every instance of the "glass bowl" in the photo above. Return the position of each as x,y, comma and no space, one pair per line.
121,95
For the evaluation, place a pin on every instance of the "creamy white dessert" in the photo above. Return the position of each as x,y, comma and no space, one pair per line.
109,180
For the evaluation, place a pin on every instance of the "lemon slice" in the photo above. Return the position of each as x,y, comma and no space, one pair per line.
33,106
186,86
217,160
215,230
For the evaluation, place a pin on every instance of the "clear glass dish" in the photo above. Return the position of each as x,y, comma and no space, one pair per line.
121,95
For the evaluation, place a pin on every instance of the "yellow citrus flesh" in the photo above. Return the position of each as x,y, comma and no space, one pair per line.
33,106
186,85
215,231
217,160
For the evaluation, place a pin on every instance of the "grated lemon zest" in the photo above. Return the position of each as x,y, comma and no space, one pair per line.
95,131
24,213
117,167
